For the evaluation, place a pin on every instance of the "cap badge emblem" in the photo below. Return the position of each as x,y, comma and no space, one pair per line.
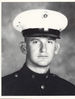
45,15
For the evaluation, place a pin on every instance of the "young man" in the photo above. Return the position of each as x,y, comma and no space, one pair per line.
40,28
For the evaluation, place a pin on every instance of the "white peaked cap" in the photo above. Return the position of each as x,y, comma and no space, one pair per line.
40,18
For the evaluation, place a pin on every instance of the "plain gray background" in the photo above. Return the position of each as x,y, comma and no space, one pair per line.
12,59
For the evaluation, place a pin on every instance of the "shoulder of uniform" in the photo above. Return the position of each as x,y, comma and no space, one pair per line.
11,76
62,81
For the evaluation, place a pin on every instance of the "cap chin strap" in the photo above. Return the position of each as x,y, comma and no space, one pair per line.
41,33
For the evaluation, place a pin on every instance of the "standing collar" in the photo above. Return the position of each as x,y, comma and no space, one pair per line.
26,71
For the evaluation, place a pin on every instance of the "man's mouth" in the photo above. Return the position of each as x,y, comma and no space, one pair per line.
42,56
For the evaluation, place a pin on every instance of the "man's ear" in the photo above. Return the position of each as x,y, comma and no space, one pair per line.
23,47
57,47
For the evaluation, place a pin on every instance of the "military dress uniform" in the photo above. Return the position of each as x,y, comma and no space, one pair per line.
27,82
37,23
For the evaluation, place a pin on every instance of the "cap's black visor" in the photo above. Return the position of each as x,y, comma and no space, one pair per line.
41,33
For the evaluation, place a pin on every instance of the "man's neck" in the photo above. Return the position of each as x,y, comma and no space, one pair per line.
36,68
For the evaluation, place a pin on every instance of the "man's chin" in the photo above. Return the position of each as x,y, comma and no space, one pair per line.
43,64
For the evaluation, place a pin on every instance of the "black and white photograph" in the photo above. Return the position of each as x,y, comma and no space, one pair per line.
38,48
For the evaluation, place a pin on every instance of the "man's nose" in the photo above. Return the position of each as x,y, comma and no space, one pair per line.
43,47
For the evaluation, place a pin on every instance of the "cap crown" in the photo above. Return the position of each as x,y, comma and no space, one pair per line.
40,18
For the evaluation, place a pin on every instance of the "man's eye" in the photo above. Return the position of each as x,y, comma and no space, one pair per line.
35,41
49,41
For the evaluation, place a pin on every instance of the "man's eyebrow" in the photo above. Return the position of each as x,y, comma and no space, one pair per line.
49,38
34,39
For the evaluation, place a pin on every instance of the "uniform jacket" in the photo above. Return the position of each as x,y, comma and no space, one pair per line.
26,82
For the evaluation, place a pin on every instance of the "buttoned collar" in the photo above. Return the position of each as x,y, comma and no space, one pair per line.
25,71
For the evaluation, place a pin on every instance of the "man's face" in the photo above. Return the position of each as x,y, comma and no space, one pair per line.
40,50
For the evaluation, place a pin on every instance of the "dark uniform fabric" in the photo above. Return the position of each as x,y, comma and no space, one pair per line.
26,82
